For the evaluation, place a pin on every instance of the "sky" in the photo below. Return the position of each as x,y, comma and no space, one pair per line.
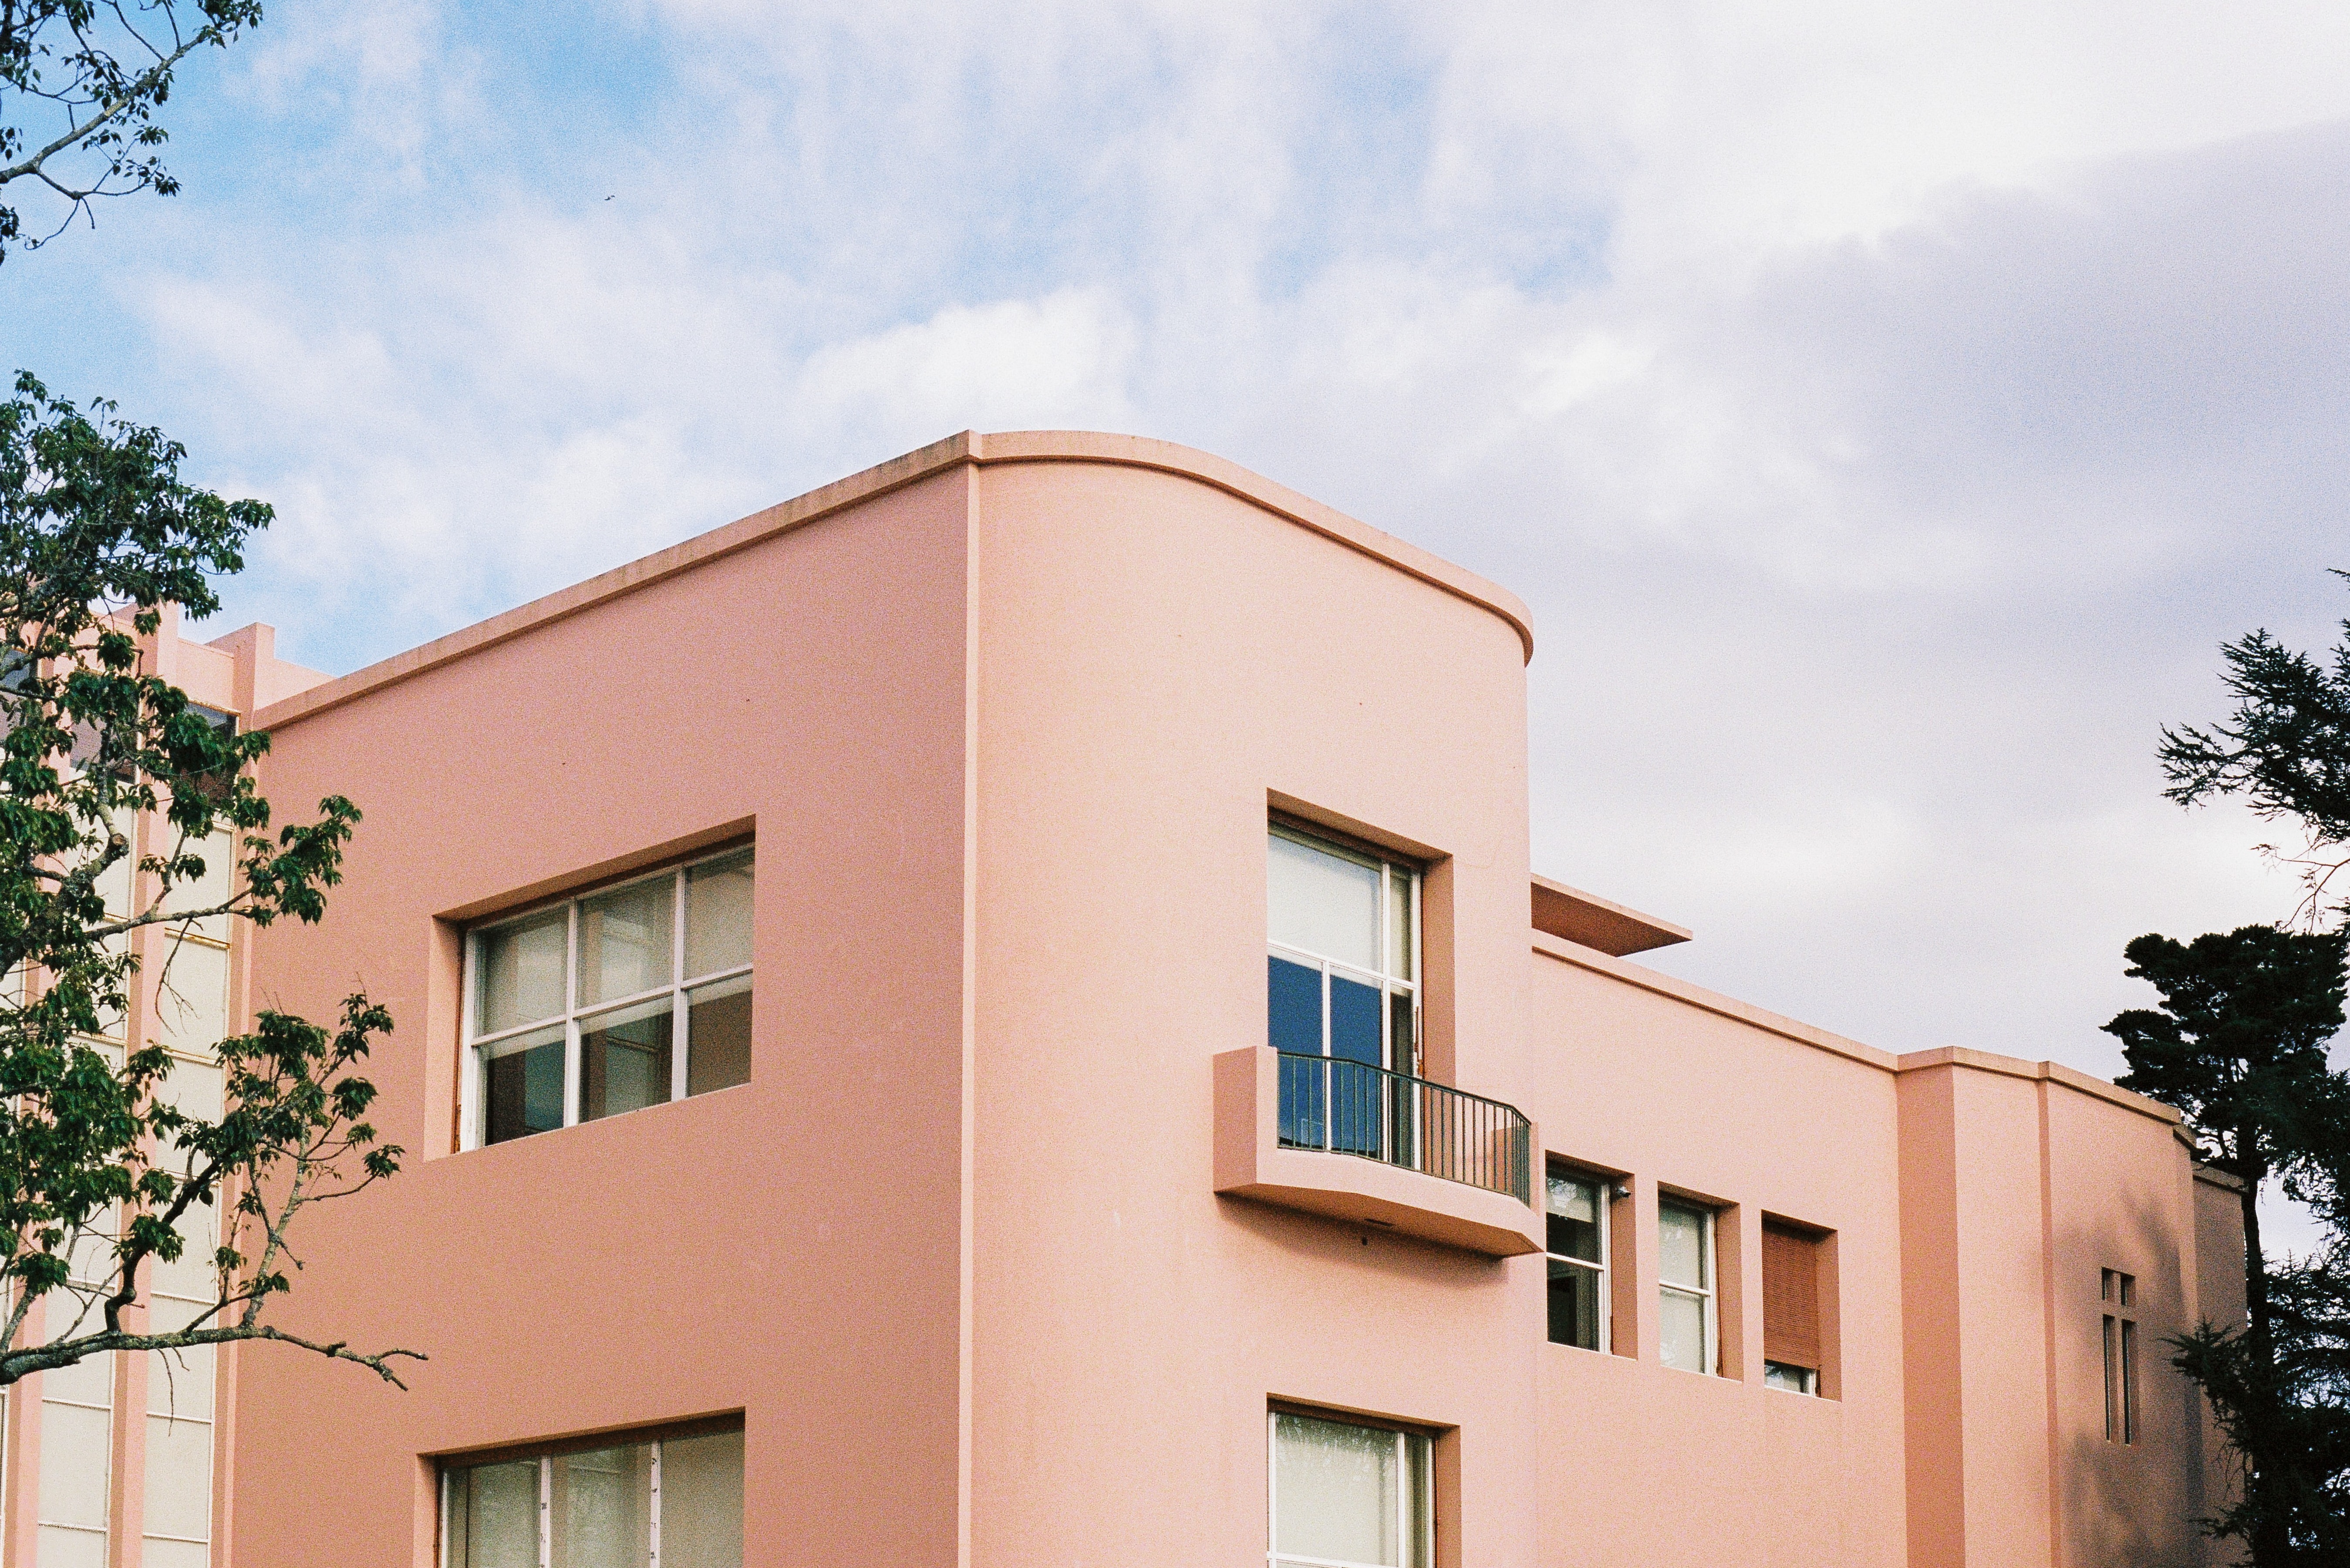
1886,411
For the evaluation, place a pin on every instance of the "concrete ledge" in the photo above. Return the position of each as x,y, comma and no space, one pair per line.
1252,1164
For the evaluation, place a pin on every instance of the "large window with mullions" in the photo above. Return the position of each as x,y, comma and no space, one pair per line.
628,997
1343,929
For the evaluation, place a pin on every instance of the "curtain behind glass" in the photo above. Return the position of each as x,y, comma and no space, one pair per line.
1322,903
494,1521
1337,1489
701,1502
603,1508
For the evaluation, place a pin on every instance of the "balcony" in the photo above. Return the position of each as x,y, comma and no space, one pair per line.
1353,1142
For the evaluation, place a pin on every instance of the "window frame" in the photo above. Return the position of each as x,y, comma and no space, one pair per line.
1604,1185
1419,1487
1406,1060
1710,1295
473,1065
544,1455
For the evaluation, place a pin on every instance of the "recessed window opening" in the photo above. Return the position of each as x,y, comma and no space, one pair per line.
1792,1350
628,997
1686,1329
1575,1220
1347,1495
2119,1293
668,1502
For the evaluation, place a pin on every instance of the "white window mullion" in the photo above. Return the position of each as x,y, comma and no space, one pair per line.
1403,1499
677,1027
570,1014
469,1096
1712,1295
654,1521
546,1513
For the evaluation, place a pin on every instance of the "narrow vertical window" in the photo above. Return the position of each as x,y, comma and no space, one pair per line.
1686,1331
1345,1495
627,998
1575,1221
2119,1294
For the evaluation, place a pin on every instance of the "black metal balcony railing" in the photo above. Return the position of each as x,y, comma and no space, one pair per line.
1352,1107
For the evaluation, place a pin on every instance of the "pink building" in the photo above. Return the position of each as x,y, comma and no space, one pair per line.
998,1014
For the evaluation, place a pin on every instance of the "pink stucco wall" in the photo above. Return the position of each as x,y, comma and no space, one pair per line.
1006,718
784,1249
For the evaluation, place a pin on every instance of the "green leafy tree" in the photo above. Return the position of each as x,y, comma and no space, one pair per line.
2238,1046
80,81
118,795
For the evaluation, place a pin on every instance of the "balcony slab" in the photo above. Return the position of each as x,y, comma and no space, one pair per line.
1251,1163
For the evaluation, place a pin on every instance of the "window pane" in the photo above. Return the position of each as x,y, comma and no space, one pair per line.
178,1382
1304,1093
192,998
1322,903
523,1086
624,939
603,1500
179,1477
718,915
72,1548
701,1502
1572,1219
519,971
154,1553
1293,997
1793,1380
718,1036
1337,1490
76,1448
1399,932
624,1059
496,1516
1355,1021
1680,1245
1574,1305
1681,1333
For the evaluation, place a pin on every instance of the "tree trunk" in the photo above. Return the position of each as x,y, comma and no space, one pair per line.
2270,1540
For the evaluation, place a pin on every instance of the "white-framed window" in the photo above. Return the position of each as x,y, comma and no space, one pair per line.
627,997
1685,1283
1346,1495
1343,929
672,1501
1575,1219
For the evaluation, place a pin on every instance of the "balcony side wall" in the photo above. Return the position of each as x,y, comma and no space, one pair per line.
1159,658
786,1248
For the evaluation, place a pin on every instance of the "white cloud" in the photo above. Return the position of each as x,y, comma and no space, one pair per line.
1885,410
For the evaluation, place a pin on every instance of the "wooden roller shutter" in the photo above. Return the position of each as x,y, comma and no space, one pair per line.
1790,1296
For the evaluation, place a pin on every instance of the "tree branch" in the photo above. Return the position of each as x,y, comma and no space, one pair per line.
18,1364
120,101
